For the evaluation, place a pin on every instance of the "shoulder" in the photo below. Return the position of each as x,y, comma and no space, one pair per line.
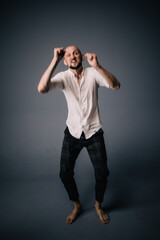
67,74
61,75
89,71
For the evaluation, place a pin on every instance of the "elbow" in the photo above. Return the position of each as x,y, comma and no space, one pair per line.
41,90
117,86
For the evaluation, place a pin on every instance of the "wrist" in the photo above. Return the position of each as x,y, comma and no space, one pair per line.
98,66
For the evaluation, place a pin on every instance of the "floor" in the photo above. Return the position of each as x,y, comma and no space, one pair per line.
37,208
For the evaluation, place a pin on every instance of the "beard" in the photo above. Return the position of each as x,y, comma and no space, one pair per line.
76,67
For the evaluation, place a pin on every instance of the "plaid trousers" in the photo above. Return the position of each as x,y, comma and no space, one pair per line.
71,148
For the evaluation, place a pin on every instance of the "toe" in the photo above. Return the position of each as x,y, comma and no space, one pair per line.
102,220
69,220
106,219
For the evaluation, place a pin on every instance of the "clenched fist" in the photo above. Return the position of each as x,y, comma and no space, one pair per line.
59,53
92,59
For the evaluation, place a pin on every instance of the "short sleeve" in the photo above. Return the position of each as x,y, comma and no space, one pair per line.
100,79
56,82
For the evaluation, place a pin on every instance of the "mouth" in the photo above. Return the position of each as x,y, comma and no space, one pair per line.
73,61
75,64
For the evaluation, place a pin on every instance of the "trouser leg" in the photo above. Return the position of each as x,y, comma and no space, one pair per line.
97,152
69,154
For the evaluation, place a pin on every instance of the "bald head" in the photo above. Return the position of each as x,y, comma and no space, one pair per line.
72,48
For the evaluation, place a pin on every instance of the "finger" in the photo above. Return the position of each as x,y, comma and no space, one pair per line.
88,56
61,51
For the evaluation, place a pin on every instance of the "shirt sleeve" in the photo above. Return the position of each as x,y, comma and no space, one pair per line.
56,82
101,81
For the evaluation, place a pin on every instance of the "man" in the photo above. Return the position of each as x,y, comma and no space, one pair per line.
84,127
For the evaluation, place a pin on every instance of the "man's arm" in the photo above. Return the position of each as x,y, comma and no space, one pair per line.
109,77
43,85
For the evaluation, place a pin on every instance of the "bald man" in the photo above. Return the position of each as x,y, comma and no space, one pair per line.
84,128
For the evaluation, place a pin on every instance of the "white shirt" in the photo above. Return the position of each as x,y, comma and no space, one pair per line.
82,100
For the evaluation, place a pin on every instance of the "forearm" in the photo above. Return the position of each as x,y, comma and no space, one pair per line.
43,85
109,77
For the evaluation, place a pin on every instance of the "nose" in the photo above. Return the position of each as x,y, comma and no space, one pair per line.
73,56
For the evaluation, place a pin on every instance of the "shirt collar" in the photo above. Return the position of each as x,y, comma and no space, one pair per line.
73,73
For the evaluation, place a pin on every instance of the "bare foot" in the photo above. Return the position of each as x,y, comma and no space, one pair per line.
102,215
76,211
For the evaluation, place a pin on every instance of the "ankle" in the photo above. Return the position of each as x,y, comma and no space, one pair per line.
77,204
97,205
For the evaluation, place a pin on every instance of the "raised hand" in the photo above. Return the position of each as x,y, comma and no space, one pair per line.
92,59
59,53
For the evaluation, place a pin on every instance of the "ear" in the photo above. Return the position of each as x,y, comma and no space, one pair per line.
64,61
82,57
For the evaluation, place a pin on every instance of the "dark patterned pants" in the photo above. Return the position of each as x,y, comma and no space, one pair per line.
96,149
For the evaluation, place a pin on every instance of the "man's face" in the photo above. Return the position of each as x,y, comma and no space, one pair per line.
73,57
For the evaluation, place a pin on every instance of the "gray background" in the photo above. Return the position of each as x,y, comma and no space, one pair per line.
125,36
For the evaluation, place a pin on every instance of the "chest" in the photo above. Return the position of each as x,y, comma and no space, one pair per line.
83,86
